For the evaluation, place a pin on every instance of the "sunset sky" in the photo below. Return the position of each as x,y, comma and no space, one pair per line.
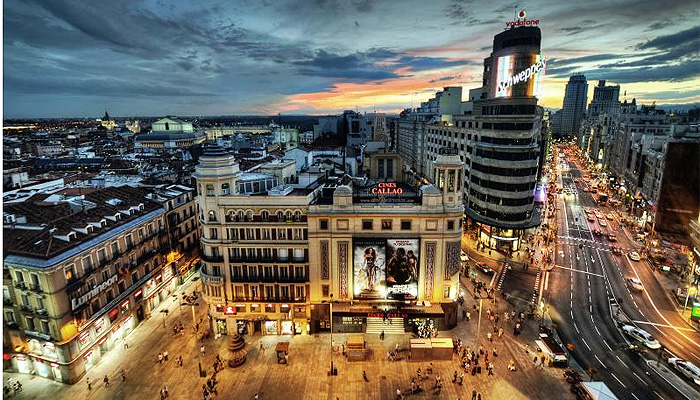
68,58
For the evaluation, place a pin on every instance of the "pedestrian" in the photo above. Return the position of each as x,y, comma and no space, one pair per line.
495,354
126,345
454,377
396,348
256,397
478,396
398,394
381,335
469,316
500,331
165,392
262,348
201,349
123,374
490,368
473,394
89,383
179,361
542,359
534,360
488,335
160,358
165,355
106,381
364,376
461,377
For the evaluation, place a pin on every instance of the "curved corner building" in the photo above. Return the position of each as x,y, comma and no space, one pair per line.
504,140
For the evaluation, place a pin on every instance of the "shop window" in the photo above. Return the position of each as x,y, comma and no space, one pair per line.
255,308
240,308
367,225
323,225
269,308
446,292
325,290
405,225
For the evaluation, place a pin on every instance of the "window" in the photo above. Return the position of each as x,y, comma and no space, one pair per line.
19,277
323,224
265,216
269,308
380,168
30,323
389,168
212,216
450,225
213,233
386,224
87,264
405,225
367,225
446,292
225,189
299,291
210,190
325,290
134,277
269,292
40,303
254,292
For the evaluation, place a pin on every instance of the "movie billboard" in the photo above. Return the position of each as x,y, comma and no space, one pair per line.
386,268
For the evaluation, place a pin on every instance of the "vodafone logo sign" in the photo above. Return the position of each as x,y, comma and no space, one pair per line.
521,21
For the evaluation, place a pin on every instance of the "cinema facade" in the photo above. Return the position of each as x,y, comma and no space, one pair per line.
387,254
377,248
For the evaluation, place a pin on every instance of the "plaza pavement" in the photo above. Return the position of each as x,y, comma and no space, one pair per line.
306,375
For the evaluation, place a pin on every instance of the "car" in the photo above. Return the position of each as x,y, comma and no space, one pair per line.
597,232
634,256
612,237
598,214
484,268
641,336
635,284
610,216
686,368
602,222
463,256
585,189
616,250
590,218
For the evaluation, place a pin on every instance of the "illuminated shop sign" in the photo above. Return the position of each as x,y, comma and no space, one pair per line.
521,21
530,76
78,301
389,188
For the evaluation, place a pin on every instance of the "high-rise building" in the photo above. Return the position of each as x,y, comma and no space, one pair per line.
498,135
606,100
574,108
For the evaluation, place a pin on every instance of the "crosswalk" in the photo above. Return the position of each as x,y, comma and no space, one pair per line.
574,241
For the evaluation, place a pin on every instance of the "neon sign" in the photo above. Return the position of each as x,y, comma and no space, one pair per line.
386,188
531,76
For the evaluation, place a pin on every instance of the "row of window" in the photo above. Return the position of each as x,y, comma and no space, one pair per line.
499,216
503,171
506,187
505,155
501,201
261,233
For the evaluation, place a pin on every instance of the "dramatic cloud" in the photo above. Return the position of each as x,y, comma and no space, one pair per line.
152,57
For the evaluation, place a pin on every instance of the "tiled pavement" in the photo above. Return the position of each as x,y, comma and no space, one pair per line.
306,376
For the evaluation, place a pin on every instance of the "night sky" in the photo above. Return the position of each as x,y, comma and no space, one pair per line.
69,58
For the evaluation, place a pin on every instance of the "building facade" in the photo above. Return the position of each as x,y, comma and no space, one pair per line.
574,108
82,274
169,133
271,261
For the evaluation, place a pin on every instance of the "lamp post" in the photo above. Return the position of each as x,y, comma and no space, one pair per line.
192,302
331,311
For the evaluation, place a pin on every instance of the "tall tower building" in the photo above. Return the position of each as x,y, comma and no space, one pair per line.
606,100
574,108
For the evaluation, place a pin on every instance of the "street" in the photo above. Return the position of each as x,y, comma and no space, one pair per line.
588,278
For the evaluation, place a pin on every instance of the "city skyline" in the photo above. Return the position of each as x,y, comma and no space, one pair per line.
63,59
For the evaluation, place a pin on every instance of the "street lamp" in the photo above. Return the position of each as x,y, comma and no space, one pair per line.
192,302
331,311
165,314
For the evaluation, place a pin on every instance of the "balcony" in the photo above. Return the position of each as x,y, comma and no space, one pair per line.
274,299
212,258
146,256
7,302
211,279
262,260
36,289
42,312
21,285
74,283
26,309
270,279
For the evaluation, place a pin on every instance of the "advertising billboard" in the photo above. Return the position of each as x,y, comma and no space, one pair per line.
386,268
519,75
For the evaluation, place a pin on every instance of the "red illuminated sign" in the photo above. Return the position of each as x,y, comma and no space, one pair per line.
125,304
229,310
386,188
54,365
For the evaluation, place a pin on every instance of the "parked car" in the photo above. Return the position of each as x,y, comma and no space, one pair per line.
463,256
610,216
686,368
602,222
484,268
616,250
590,218
642,336
635,284
612,237
634,256
597,232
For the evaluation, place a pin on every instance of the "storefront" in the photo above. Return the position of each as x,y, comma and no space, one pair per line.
499,239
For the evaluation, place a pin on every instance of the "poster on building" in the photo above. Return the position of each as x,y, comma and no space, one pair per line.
369,256
402,257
